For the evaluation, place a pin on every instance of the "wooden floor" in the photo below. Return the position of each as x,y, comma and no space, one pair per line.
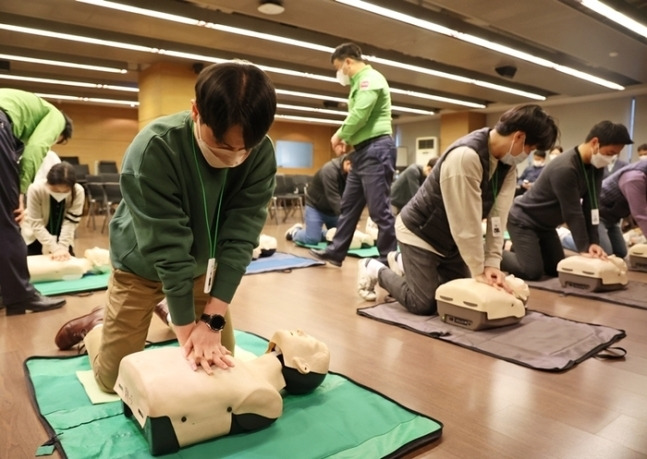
490,408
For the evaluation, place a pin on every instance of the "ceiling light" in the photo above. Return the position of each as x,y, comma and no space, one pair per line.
421,23
74,65
615,16
311,109
308,119
271,7
312,46
94,100
308,95
205,58
78,84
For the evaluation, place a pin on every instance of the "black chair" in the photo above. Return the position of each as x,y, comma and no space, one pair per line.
112,177
97,201
81,171
74,160
287,197
112,192
107,167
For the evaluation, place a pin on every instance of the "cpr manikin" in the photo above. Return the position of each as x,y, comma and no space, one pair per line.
360,240
42,268
592,274
176,406
475,305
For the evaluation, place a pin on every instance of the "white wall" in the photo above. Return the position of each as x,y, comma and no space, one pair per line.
575,120
406,134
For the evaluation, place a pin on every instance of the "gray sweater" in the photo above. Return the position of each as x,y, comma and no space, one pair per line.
565,192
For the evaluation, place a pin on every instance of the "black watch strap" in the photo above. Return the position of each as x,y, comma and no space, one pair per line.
215,322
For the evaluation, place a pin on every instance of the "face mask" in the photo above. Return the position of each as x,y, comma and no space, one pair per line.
219,158
342,78
59,196
513,160
538,163
643,157
599,160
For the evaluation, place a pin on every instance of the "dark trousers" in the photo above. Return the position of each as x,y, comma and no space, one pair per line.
368,184
424,272
535,253
14,274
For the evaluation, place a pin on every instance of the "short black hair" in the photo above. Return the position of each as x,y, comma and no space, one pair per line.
540,128
642,147
67,130
432,162
540,153
347,50
236,93
609,133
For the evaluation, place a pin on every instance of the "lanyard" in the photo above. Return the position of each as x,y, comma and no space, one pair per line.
590,187
495,184
212,240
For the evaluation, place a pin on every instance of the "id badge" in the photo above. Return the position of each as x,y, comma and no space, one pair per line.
210,274
595,216
496,226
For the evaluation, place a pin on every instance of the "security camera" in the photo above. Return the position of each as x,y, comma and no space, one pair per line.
507,71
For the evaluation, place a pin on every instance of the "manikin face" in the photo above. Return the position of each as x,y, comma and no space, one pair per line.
301,351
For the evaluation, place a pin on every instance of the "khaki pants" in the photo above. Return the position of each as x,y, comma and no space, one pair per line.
130,302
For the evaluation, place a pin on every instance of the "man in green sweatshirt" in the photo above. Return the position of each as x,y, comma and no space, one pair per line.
195,188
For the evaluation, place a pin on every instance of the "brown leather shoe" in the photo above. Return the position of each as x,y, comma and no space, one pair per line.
75,330
161,311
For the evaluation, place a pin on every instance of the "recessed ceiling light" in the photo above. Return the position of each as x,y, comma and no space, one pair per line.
271,7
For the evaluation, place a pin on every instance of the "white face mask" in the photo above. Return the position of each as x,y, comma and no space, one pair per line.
219,158
537,163
598,160
643,157
342,78
513,160
59,196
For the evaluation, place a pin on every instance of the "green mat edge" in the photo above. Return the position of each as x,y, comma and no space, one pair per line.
91,282
406,448
368,252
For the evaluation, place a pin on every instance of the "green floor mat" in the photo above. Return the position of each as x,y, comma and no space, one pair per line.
368,252
339,419
87,283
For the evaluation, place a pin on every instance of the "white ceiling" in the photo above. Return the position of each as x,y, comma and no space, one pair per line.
559,30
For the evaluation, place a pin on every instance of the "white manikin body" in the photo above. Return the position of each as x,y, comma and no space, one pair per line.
476,305
43,269
638,256
593,274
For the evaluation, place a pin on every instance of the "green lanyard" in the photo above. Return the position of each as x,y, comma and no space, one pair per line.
590,187
495,184
212,241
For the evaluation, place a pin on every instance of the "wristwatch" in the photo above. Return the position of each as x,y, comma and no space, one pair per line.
215,322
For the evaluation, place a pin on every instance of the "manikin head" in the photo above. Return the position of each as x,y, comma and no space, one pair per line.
305,360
